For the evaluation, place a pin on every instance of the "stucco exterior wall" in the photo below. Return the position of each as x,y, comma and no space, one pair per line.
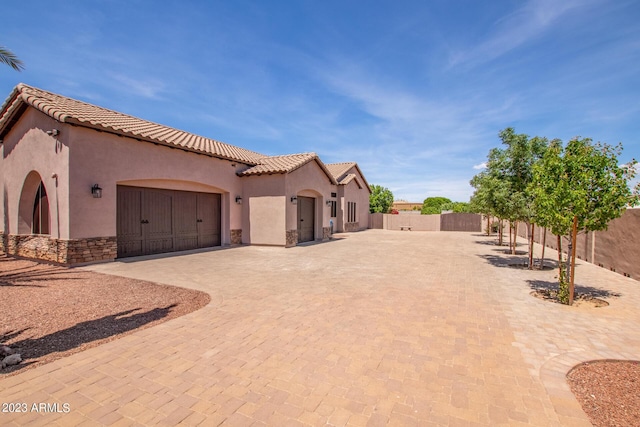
110,160
267,219
355,191
267,187
27,137
310,181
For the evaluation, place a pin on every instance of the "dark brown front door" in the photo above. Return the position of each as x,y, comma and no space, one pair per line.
208,220
154,220
306,219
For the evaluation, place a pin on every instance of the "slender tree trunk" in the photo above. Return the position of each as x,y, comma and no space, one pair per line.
531,247
560,276
574,237
488,225
515,237
544,245
511,237
500,232
568,261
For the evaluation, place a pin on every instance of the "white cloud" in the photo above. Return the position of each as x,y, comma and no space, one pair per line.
480,166
145,87
529,22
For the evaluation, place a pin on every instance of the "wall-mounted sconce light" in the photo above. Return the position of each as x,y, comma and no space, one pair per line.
328,202
239,200
294,200
53,132
96,191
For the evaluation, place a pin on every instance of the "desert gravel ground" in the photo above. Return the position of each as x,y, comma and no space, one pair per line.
48,312
609,391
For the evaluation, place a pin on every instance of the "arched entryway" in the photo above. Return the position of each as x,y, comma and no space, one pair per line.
306,219
34,215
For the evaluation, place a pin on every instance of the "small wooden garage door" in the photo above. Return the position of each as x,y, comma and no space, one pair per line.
151,221
306,219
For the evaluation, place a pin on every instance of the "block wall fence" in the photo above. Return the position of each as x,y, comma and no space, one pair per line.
436,222
616,249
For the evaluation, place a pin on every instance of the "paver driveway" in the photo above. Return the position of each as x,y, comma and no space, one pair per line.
375,328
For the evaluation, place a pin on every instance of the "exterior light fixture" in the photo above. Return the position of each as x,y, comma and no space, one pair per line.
294,200
96,191
328,202
239,200
53,132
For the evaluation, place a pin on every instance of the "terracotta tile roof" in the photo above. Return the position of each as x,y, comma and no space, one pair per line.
341,175
279,164
338,170
68,110
285,164
347,179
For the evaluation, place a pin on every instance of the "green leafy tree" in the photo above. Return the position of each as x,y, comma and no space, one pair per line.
380,199
492,193
580,187
456,207
484,198
516,168
7,57
433,205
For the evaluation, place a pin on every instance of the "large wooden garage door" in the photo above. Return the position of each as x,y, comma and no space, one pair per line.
151,221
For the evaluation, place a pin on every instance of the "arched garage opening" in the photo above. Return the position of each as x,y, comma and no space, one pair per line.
157,220
34,216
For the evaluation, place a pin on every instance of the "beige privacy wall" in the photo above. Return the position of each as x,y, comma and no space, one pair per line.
616,249
435,222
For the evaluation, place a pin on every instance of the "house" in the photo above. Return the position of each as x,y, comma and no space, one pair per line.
81,183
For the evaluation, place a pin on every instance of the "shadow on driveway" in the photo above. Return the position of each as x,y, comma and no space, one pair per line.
81,333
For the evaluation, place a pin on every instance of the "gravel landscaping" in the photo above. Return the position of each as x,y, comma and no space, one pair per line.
48,312
609,391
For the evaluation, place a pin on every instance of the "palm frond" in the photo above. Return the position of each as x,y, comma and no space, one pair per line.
8,57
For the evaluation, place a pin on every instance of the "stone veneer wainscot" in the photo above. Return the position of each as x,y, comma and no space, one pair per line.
292,238
236,236
67,252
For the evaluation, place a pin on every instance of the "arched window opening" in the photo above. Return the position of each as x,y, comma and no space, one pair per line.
40,224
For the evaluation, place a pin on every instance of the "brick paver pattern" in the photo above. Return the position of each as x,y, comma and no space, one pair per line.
372,329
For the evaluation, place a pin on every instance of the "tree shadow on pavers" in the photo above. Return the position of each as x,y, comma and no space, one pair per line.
502,261
508,251
82,333
492,242
589,291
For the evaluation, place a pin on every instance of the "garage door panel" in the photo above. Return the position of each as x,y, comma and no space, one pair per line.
129,221
157,211
130,248
186,214
186,243
158,246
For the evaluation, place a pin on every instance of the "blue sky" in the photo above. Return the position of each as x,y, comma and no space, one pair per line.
415,92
